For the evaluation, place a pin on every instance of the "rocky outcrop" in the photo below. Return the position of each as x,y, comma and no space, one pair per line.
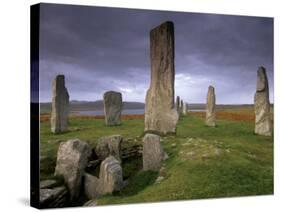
109,145
210,107
60,105
72,159
153,153
112,108
160,112
263,122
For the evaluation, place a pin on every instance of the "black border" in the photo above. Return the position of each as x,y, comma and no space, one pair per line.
34,106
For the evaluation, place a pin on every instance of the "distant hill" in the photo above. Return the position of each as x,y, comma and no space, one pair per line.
88,105
76,106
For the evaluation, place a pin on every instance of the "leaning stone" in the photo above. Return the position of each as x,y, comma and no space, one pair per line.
110,177
60,105
160,112
109,145
112,108
210,107
72,159
91,184
263,122
153,153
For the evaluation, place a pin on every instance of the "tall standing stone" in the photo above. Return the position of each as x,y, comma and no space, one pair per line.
210,107
178,104
160,112
184,109
153,153
263,122
112,108
60,105
181,107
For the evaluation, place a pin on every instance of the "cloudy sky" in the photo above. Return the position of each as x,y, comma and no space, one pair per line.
100,49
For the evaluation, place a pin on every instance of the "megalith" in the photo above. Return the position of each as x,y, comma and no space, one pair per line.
210,107
178,104
181,107
184,108
263,122
112,102
160,112
111,176
60,105
109,145
72,159
153,153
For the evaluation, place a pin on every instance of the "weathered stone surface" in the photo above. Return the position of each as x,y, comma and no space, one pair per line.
153,153
210,107
263,122
160,112
112,108
109,145
178,104
55,197
110,177
72,159
91,184
60,105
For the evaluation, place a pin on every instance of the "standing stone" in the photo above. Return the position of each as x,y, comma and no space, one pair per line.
109,145
262,105
110,177
60,105
178,104
112,108
210,107
72,159
153,153
160,112
184,108
181,107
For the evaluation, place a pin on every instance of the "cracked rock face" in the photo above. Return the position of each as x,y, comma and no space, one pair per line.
112,108
160,112
210,107
60,105
263,122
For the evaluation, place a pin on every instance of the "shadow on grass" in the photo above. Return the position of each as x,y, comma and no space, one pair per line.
138,183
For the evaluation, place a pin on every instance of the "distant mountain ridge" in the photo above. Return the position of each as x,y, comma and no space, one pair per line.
76,105
89,105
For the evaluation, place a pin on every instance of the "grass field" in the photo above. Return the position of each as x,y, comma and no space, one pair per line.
229,160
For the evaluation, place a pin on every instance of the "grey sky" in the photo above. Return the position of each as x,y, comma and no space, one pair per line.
100,49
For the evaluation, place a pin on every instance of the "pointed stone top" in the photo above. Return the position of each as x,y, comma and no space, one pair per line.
262,82
211,88
169,25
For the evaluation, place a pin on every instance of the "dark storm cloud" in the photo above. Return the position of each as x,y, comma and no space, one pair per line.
99,49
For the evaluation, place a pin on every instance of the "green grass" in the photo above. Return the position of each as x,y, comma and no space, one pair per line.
225,161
